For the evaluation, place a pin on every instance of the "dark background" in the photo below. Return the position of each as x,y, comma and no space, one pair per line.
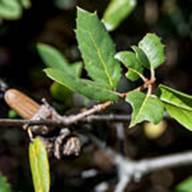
21,68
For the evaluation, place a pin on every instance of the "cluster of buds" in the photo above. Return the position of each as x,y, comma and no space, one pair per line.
63,144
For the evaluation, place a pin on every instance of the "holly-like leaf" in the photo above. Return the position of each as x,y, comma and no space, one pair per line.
145,108
87,88
185,186
178,105
97,50
39,166
10,9
154,50
117,11
4,185
133,65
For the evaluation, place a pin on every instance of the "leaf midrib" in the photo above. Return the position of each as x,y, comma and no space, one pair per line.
142,107
103,64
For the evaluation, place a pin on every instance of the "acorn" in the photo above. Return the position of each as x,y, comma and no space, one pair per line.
64,144
22,104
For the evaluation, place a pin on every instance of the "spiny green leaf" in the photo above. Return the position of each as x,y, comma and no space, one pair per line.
154,50
176,98
4,185
131,62
39,165
117,11
145,107
10,9
97,50
185,186
178,105
87,88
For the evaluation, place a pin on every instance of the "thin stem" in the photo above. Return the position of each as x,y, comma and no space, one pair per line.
97,108
152,74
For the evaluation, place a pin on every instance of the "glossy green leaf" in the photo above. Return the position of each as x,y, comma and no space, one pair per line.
76,68
54,59
154,50
145,108
117,11
175,98
87,88
130,61
39,166
178,105
141,56
10,9
97,50
185,186
4,185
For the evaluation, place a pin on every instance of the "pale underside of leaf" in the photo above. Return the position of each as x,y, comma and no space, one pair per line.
116,12
97,50
145,108
87,88
39,166
175,98
184,117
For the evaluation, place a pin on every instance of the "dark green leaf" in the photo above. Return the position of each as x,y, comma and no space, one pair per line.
154,49
87,88
52,57
145,107
178,105
97,50
39,166
185,186
117,11
4,185
131,62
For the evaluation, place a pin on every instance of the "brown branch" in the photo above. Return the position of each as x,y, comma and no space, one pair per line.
89,119
78,117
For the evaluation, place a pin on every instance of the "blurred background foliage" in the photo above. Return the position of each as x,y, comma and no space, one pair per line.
24,23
